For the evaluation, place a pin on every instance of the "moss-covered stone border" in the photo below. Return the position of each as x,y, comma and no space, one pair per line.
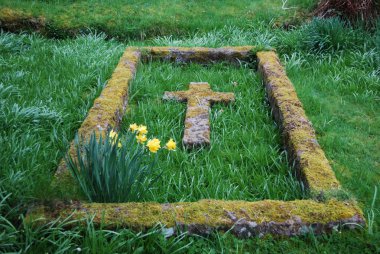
321,214
299,136
243,218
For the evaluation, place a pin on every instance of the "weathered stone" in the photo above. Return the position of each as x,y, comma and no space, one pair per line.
234,55
199,98
244,219
298,132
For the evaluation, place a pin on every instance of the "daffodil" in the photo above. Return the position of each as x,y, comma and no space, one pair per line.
133,127
153,145
142,130
141,138
171,145
112,134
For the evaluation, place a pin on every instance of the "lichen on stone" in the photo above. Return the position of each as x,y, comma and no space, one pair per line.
243,218
198,54
299,135
199,98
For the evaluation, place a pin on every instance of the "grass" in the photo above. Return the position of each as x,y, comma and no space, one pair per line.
244,161
141,19
46,90
47,87
345,118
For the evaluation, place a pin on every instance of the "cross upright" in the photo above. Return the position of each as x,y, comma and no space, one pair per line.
199,99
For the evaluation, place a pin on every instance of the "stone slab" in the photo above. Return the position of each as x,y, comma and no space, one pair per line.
298,133
244,219
108,109
203,55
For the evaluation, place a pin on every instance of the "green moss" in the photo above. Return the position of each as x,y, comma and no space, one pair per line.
65,187
212,213
11,15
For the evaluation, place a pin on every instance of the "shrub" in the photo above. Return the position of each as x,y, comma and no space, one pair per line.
332,34
353,10
322,35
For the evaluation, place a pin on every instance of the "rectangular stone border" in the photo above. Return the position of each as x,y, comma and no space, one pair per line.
244,218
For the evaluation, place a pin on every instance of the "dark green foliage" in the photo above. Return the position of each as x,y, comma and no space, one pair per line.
8,231
331,34
46,89
323,35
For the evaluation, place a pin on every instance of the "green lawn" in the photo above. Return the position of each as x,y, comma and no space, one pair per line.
47,87
138,19
46,90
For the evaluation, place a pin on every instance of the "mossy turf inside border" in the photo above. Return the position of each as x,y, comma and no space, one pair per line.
244,161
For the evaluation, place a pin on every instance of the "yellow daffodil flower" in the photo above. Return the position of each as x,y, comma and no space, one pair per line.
133,127
153,145
141,138
142,130
171,145
112,134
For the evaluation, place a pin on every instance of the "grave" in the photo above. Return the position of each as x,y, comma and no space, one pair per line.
327,209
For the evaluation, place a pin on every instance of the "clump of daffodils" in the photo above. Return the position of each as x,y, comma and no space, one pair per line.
153,144
141,132
115,168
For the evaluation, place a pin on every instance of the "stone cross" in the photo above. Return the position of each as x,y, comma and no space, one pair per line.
199,98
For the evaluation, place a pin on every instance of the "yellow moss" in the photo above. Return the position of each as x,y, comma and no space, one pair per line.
17,18
318,171
212,213
8,14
